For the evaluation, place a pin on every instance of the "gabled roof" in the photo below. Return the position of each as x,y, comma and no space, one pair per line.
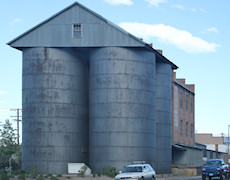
97,31
60,27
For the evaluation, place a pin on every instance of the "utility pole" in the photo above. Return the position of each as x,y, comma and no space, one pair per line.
228,143
18,120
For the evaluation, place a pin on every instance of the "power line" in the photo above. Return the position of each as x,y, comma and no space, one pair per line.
18,111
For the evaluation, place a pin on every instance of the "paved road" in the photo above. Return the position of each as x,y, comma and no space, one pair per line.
181,178
186,178
74,177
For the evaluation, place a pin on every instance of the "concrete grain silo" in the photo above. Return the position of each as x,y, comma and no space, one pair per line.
122,107
55,109
163,118
92,93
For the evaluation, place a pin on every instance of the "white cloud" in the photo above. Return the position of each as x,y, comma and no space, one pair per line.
193,9
212,29
3,92
202,10
155,2
118,2
178,6
168,34
15,21
1,102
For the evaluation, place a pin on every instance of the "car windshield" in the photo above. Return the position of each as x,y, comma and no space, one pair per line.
132,169
213,163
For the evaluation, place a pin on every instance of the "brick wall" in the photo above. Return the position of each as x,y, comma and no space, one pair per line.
183,103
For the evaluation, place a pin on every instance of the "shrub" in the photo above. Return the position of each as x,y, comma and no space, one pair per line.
59,175
3,175
82,171
32,176
109,171
18,172
21,176
53,178
68,177
40,177
11,175
32,172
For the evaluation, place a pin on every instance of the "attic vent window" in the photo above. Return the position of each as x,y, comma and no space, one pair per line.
77,28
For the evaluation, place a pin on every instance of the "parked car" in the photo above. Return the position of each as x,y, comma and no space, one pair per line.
215,168
228,172
138,172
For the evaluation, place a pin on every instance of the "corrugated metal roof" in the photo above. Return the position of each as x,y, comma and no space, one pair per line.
139,43
87,9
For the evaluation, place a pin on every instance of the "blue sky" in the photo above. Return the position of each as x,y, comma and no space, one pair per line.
193,34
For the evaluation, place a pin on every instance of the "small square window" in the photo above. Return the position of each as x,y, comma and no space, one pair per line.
77,31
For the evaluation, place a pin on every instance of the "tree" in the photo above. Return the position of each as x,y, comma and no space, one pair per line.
9,149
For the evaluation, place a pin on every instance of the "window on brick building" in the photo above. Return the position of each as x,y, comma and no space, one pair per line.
181,127
186,129
191,131
191,102
181,98
186,101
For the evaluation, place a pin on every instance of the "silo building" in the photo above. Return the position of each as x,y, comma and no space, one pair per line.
92,93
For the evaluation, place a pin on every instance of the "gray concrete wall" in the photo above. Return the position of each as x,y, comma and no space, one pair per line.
122,107
189,158
55,109
163,118
195,157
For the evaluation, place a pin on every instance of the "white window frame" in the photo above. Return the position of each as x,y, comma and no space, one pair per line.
77,31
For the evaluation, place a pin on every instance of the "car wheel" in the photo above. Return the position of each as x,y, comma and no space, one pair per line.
221,177
203,177
209,178
153,178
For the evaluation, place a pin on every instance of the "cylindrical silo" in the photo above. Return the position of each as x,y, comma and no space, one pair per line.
55,109
122,107
163,118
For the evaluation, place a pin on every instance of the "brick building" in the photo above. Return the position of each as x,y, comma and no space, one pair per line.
185,154
183,111
216,145
212,142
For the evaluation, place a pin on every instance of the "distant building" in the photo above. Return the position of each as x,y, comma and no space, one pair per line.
216,146
212,142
